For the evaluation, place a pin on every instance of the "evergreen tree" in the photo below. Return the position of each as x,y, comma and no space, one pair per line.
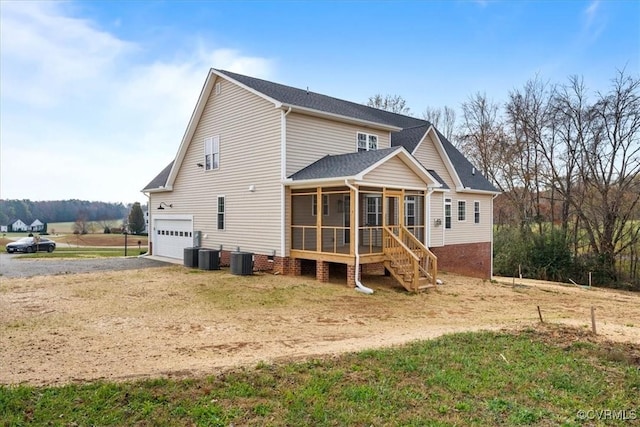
136,219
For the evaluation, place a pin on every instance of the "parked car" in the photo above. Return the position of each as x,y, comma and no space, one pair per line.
31,244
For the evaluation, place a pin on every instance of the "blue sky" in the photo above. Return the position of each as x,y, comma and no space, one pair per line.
96,95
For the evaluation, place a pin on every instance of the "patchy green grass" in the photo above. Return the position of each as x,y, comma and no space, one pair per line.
529,378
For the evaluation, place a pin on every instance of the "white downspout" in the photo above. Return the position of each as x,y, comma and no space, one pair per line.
150,233
359,286
283,175
427,228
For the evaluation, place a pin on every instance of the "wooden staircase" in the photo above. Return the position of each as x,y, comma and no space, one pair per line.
410,262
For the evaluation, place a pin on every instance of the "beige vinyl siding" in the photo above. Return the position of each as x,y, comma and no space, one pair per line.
436,207
394,173
468,231
249,131
428,155
311,138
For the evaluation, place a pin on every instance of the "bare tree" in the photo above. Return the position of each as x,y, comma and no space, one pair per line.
528,117
393,103
444,119
610,171
483,140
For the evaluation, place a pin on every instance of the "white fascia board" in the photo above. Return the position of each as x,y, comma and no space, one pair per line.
275,102
158,190
191,127
341,118
386,185
471,190
308,183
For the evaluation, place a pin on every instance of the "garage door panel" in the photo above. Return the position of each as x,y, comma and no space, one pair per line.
172,236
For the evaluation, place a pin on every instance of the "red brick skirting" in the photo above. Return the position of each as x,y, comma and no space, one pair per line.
470,259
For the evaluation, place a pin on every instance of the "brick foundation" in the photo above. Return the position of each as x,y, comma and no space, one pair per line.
376,268
470,259
351,276
322,271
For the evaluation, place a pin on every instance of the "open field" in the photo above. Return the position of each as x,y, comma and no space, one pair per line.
177,322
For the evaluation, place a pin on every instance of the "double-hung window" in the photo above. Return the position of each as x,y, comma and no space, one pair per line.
221,212
325,205
211,153
373,212
462,210
447,213
476,212
410,211
367,142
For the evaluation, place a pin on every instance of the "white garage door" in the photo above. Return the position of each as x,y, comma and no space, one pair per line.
172,236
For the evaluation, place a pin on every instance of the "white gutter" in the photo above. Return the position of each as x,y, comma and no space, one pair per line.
149,232
283,176
342,118
427,208
359,286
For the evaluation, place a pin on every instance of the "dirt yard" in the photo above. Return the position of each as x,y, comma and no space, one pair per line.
176,322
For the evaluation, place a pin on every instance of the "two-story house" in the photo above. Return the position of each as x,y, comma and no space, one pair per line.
308,181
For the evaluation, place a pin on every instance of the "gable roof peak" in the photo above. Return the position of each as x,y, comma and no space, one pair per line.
306,99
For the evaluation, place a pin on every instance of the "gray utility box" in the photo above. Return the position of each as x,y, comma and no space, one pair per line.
191,257
241,263
209,259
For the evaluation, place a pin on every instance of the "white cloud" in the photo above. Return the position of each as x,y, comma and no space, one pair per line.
591,11
594,21
81,116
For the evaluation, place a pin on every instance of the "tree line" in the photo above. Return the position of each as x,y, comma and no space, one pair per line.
59,210
567,160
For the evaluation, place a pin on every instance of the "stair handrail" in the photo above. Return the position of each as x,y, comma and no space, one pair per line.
401,243
430,256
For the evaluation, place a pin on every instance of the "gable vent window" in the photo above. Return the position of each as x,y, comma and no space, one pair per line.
217,89
367,142
211,153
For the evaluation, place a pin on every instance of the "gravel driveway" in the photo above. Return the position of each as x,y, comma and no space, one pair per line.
12,266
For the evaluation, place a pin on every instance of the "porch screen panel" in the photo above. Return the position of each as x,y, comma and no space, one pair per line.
414,216
303,223
371,229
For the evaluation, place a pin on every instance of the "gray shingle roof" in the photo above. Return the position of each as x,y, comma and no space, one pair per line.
307,99
342,165
409,137
469,175
439,179
413,129
160,180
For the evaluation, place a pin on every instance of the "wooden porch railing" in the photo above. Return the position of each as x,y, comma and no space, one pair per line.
410,262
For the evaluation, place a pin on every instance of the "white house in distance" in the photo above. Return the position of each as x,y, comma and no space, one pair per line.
18,225
36,225
305,181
